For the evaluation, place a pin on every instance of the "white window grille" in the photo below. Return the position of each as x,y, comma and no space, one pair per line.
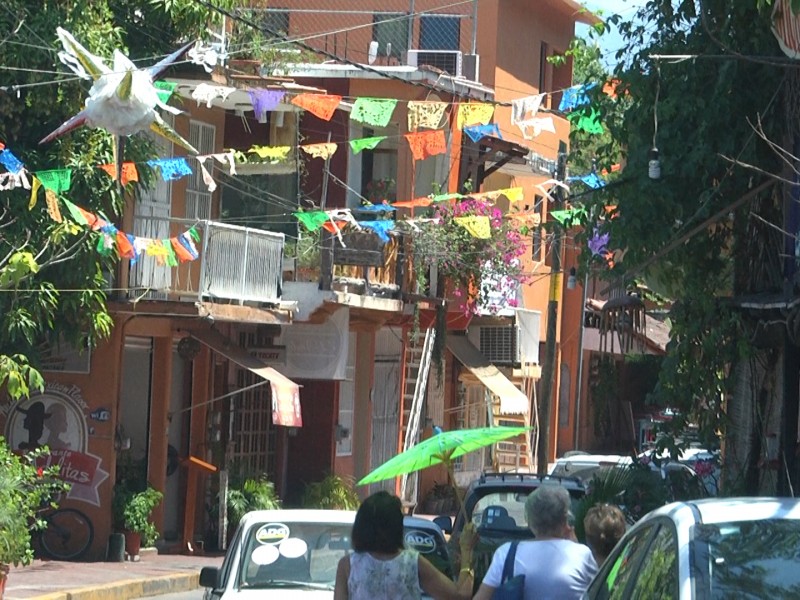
347,395
198,198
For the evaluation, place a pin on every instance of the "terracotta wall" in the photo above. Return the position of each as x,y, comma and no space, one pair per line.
311,448
75,416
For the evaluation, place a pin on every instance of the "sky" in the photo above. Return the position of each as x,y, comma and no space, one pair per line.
611,42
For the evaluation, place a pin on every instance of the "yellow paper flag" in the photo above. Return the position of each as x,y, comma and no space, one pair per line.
34,192
52,206
477,226
475,113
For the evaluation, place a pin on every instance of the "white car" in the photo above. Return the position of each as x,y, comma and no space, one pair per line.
295,552
716,548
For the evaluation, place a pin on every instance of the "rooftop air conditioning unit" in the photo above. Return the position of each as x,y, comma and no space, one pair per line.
449,61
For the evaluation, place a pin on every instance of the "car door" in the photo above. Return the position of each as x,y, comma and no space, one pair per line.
619,569
658,570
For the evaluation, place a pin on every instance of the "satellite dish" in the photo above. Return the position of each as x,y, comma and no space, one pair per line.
373,52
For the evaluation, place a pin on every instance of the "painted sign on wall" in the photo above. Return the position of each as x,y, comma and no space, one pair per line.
57,419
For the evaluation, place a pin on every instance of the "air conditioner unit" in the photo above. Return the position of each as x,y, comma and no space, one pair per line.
471,67
498,343
449,61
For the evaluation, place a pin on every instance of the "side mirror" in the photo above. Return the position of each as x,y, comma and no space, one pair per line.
209,577
445,523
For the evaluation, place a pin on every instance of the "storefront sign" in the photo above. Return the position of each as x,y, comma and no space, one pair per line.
56,419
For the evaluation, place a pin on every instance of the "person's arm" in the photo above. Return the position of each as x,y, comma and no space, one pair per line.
437,585
485,592
342,575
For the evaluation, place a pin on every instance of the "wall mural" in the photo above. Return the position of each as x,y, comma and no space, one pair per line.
57,418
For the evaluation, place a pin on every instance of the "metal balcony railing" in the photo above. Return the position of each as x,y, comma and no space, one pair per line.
238,264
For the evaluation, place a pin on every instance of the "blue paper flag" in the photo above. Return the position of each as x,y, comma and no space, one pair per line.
476,132
379,228
376,208
575,96
591,179
171,168
10,162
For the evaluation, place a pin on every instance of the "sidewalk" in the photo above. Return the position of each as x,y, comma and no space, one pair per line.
154,574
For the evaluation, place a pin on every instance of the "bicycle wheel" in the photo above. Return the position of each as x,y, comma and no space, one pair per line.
68,534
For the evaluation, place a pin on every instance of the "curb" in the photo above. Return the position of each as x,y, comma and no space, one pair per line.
129,588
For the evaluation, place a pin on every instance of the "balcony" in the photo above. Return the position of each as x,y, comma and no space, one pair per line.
237,265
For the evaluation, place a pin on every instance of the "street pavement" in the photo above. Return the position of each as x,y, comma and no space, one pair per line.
155,574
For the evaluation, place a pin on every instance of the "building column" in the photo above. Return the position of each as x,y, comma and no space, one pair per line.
159,421
362,405
201,390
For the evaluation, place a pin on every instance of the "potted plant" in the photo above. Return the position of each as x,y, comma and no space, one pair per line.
25,489
132,512
333,492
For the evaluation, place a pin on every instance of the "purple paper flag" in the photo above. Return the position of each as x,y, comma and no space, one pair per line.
264,101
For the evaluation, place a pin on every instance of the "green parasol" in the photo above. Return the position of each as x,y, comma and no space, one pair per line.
442,448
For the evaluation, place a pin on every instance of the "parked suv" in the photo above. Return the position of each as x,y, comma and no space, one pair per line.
495,503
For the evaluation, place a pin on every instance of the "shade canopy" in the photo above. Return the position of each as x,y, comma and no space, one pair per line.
441,448
512,399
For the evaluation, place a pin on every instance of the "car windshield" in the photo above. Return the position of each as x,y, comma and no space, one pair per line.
749,559
293,554
505,511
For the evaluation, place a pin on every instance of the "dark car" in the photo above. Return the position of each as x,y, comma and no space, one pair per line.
495,503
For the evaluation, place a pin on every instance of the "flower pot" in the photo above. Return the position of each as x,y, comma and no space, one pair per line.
133,543
3,577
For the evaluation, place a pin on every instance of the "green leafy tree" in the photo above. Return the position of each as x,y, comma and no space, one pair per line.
53,281
699,113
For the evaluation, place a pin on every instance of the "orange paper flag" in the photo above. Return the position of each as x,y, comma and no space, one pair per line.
182,253
320,105
124,246
129,172
415,203
427,143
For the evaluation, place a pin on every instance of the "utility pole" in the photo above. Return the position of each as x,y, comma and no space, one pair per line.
549,371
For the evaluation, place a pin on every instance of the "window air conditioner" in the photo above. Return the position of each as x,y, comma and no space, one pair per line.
498,343
449,61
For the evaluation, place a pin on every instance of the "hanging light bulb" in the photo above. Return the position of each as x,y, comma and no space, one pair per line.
572,280
654,164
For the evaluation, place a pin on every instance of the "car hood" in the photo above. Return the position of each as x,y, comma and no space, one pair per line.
279,594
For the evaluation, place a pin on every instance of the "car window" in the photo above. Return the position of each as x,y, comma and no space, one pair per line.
431,544
616,578
756,557
658,572
300,554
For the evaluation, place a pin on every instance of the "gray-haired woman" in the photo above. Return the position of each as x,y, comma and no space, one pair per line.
554,564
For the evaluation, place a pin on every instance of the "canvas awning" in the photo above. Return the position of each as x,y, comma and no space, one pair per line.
285,392
512,400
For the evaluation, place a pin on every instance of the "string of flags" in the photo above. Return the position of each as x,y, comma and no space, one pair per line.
56,182
479,226
421,114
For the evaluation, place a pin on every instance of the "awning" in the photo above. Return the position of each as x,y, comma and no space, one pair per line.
512,400
285,392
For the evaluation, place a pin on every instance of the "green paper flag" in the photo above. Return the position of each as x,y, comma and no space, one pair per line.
57,181
312,220
366,143
588,121
446,197
75,212
164,89
195,235
373,111
171,259
102,248
562,216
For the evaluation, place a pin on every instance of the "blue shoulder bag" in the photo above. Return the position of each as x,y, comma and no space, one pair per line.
512,587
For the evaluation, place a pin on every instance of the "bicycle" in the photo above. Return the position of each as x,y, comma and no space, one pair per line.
67,535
